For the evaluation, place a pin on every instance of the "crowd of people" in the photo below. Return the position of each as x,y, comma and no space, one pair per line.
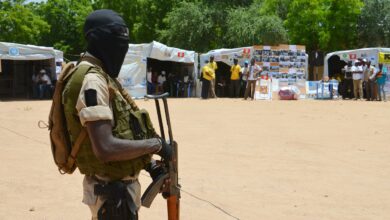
177,85
242,79
364,80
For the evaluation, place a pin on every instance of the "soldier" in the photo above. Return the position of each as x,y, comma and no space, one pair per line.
116,148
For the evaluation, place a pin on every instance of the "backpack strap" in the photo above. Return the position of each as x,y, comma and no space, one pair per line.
70,163
75,150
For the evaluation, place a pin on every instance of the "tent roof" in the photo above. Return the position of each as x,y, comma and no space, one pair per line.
379,49
162,52
14,51
361,50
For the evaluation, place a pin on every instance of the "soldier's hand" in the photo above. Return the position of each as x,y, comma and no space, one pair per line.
155,170
166,150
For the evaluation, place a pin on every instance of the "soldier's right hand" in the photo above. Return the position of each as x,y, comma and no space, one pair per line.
165,151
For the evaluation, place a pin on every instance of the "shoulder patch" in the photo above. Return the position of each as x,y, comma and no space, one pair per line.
90,97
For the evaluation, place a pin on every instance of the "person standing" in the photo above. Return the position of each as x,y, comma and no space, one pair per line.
381,77
161,82
357,75
244,77
235,71
113,153
150,86
208,75
254,71
348,82
372,83
212,65
366,78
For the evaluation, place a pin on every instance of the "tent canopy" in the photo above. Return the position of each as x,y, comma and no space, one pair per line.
227,55
133,72
370,54
14,51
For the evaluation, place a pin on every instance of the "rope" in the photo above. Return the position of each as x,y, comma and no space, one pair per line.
206,201
210,203
22,135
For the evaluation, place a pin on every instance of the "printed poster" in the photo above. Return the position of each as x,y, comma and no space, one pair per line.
384,58
263,90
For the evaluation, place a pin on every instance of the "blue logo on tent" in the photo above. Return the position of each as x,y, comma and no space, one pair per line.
13,51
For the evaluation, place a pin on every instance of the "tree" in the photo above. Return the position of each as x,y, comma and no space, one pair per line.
323,24
275,7
247,27
306,24
342,18
66,19
143,17
374,24
19,24
189,26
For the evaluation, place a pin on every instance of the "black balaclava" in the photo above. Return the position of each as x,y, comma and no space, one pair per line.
108,39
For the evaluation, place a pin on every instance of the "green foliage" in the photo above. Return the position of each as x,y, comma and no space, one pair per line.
203,25
306,24
66,19
189,27
143,17
341,23
323,24
248,27
374,24
19,24
275,7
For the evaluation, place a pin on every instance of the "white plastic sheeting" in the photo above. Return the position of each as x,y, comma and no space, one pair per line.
14,51
133,72
347,55
227,55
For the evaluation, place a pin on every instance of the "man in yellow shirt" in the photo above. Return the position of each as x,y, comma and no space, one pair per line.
208,75
213,65
235,80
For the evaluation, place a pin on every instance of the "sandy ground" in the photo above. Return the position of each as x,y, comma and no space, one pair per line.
256,160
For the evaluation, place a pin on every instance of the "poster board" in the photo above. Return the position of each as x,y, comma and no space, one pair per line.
322,90
282,61
263,89
384,58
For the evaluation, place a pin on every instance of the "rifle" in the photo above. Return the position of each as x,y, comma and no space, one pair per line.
171,192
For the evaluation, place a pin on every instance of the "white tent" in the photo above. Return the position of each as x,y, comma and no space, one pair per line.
371,54
13,51
227,55
133,72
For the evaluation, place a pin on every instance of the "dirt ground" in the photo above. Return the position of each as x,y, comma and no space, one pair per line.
255,160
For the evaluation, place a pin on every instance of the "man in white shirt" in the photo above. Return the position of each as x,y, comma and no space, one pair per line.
44,82
161,81
357,75
253,73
